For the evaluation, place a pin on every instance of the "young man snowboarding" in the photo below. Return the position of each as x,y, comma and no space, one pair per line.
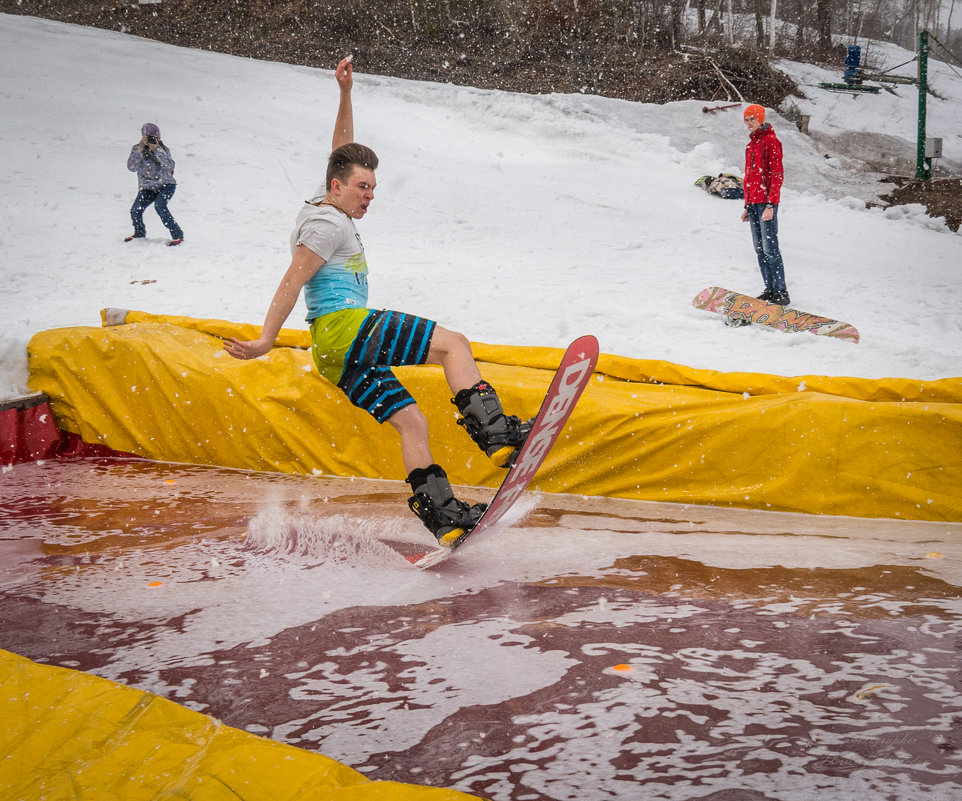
763,185
355,346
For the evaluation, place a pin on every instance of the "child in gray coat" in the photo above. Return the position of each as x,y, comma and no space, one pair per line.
150,158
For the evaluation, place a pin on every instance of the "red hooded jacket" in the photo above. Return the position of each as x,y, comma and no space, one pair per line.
763,167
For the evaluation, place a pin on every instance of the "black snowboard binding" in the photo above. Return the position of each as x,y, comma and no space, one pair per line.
433,501
499,435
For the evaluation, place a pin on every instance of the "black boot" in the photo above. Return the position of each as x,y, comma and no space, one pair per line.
766,295
499,435
433,501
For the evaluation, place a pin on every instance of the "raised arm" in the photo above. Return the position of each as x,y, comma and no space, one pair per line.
344,124
303,266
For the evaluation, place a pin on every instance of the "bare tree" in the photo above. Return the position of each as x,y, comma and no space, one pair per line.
759,8
823,23
771,27
676,9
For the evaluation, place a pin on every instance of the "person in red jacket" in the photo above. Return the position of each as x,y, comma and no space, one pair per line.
763,186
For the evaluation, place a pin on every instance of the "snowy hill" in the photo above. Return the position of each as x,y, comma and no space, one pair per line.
515,218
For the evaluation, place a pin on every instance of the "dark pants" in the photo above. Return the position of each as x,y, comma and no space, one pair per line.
159,198
765,239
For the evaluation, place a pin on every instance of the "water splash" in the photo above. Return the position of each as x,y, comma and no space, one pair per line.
338,539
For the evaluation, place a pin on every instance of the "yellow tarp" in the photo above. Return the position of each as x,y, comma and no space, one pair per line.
70,736
161,387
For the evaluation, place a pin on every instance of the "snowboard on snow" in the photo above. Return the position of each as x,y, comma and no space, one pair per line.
576,369
741,309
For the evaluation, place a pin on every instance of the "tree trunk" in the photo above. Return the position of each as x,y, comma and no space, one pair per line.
715,23
823,24
771,28
759,22
800,26
677,11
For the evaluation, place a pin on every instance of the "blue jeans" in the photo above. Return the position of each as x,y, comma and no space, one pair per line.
159,198
765,239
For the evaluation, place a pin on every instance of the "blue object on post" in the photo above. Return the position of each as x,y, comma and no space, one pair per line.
851,64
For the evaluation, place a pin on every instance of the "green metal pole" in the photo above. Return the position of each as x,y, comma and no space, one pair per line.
923,166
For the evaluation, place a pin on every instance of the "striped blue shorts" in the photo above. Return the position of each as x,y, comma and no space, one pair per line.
386,339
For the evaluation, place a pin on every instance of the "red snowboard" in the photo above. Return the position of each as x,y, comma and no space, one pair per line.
576,369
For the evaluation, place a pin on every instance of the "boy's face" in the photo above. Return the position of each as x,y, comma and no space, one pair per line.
753,124
356,193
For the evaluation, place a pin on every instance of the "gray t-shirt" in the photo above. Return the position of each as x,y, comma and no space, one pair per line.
342,282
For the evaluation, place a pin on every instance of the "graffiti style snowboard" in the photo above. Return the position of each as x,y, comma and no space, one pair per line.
577,366
744,309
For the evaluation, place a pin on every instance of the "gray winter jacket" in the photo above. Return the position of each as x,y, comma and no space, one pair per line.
155,169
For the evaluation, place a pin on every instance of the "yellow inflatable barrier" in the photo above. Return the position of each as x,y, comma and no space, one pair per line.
163,388
70,736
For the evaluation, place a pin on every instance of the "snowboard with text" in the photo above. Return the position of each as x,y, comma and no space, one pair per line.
744,309
576,369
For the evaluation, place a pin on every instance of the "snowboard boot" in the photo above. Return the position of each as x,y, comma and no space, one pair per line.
766,295
499,435
447,518
780,298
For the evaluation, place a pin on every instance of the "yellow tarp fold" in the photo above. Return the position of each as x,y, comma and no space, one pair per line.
161,387
70,736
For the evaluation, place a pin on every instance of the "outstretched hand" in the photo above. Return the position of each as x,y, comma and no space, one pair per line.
345,73
241,349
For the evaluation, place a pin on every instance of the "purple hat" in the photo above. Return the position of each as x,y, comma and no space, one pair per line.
149,129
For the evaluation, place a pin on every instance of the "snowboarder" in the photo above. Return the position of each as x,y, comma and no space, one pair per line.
763,185
355,346
150,158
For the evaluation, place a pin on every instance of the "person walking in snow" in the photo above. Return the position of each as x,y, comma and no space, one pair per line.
763,186
150,158
355,347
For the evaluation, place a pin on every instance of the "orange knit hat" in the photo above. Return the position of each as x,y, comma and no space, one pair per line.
756,111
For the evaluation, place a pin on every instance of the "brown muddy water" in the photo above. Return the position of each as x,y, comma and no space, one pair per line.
590,649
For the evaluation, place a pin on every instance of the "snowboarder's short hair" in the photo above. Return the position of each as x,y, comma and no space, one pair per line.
343,160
